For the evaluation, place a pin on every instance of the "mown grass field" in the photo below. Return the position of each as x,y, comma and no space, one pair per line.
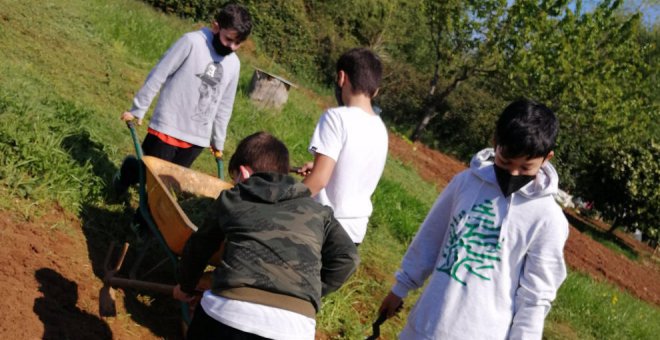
68,72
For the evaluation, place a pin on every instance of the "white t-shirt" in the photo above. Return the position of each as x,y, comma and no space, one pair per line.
357,141
265,321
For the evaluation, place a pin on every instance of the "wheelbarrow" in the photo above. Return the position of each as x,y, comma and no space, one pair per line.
168,225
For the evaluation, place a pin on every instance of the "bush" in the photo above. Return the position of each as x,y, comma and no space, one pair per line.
623,183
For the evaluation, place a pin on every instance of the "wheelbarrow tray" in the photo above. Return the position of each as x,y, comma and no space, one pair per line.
162,179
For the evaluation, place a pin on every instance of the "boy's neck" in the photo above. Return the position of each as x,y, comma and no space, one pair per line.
362,101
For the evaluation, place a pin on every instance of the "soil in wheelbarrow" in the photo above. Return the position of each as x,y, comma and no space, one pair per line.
194,206
49,275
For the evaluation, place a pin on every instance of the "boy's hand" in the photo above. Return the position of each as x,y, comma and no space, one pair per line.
127,117
306,169
391,305
180,295
216,153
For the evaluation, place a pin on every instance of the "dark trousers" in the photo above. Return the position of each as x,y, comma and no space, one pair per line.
204,327
153,146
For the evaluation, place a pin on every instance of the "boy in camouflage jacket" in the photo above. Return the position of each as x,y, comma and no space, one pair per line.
283,251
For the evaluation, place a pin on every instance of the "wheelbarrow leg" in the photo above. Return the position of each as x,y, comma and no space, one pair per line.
141,254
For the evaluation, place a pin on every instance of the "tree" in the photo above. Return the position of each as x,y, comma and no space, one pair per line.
463,36
589,67
596,70
625,187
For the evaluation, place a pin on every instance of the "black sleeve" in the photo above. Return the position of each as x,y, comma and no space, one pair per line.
199,248
339,256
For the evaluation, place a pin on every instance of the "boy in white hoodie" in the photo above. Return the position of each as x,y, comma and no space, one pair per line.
493,242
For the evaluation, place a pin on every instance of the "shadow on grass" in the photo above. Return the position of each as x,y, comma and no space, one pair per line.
605,238
84,150
104,223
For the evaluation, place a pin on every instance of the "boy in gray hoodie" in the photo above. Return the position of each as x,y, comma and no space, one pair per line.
197,79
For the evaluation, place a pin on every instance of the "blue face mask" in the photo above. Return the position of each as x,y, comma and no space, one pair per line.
509,183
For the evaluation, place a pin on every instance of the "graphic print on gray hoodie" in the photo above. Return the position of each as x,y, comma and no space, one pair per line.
209,93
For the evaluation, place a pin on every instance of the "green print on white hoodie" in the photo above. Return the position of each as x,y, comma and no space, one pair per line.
473,250
481,255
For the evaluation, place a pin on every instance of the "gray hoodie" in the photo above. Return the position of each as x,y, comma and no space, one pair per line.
197,89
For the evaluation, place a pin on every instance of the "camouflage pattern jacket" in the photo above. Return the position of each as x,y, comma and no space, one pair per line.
282,249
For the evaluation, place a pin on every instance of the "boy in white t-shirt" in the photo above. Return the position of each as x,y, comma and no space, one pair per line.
349,144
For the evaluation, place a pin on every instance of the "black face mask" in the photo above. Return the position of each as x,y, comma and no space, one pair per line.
219,47
338,95
509,183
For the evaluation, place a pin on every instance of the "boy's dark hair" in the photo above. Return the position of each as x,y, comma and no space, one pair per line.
237,17
262,152
526,128
363,68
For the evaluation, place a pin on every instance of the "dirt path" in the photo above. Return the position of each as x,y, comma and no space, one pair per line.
49,271
48,283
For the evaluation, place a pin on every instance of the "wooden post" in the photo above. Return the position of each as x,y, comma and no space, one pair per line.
268,90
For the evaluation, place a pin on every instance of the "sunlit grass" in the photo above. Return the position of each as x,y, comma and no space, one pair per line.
587,309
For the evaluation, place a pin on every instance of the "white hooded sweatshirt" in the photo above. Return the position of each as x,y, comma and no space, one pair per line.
495,263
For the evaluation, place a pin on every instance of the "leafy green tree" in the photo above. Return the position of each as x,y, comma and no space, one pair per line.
464,37
588,66
625,187
596,70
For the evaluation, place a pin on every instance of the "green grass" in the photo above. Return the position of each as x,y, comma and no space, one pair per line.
586,309
64,83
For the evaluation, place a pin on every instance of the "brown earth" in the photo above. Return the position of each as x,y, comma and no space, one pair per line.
50,268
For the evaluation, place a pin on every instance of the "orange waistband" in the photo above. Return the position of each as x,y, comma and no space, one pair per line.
167,139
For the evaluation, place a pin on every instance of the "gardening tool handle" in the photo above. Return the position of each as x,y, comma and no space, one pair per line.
141,285
375,327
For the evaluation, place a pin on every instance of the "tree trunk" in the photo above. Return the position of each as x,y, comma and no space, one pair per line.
613,226
429,114
431,111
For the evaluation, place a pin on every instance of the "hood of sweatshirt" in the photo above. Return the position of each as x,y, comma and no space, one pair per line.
273,187
546,181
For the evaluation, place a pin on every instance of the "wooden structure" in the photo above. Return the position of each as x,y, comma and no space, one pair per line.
268,90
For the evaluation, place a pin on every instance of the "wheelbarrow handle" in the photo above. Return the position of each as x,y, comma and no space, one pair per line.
136,142
221,168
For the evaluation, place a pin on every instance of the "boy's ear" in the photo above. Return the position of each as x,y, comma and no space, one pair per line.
375,93
341,78
244,172
549,156
215,27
